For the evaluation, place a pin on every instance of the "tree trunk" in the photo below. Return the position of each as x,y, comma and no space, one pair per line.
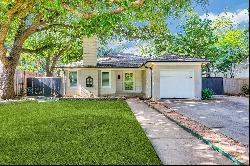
47,67
9,68
10,63
207,71
49,74
7,82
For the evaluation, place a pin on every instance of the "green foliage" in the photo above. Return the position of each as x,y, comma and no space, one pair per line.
65,44
108,47
232,48
245,89
73,132
207,93
104,23
196,40
219,41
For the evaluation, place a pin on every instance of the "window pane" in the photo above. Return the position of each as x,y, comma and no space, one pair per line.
73,78
105,78
129,81
128,76
129,86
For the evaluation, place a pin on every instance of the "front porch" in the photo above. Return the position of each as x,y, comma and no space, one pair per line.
102,82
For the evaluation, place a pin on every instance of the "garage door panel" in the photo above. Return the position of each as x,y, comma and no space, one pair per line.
177,83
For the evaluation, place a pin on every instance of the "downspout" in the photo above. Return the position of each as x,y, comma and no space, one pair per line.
64,93
151,79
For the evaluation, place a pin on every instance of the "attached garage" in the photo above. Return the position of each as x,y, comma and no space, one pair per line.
177,83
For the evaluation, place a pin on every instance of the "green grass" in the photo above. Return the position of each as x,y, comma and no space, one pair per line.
72,132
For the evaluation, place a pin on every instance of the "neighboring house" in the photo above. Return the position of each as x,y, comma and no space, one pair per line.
169,76
238,71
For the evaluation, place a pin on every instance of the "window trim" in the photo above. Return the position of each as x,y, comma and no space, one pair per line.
73,87
125,81
108,71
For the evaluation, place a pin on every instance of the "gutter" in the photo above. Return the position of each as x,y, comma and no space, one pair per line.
139,66
94,67
172,61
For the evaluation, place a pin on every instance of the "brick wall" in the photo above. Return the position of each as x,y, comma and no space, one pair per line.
89,51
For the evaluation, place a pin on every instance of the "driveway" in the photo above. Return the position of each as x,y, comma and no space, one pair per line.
226,114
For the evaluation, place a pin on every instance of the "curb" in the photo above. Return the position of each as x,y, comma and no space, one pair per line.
235,161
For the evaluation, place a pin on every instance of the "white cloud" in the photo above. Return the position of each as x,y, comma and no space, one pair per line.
241,16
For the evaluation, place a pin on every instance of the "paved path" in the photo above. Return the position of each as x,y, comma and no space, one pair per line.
227,114
173,144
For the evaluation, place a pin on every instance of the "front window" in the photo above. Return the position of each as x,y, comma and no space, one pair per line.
105,79
73,78
129,81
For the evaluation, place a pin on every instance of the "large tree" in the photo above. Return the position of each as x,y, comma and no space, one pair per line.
19,19
220,41
44,50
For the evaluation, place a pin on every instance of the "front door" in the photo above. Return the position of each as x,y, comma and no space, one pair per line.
129,81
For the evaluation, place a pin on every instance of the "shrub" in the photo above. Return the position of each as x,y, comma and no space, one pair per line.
207,93
245,89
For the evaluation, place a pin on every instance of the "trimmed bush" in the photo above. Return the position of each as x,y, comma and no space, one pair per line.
207,93
245,89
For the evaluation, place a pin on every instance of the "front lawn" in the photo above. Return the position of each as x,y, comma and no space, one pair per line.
72,132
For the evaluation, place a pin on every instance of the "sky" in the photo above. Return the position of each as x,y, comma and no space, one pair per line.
236,8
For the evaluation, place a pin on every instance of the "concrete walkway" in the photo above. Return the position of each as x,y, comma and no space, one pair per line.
173,144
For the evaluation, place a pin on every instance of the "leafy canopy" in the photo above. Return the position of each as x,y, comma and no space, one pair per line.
43,27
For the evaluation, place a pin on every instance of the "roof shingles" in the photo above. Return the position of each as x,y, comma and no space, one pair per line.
123,60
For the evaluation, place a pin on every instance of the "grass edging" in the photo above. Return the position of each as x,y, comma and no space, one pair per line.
98,98
235,161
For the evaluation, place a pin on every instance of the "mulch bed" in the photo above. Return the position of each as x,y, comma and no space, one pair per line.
227,144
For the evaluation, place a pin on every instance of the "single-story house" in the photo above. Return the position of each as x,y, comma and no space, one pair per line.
169,76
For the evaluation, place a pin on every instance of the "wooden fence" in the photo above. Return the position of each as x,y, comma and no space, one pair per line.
233,86
227,86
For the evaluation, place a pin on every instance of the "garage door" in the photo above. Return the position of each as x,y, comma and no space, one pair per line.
177,83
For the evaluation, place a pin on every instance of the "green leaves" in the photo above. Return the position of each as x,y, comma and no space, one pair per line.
65,22
62,46
217,41
207,93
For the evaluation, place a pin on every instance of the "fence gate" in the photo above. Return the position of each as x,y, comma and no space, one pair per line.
214,83
48,86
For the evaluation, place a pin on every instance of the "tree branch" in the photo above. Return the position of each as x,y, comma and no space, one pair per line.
20,8
23,35
55,25
25,50
56,57
135,4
